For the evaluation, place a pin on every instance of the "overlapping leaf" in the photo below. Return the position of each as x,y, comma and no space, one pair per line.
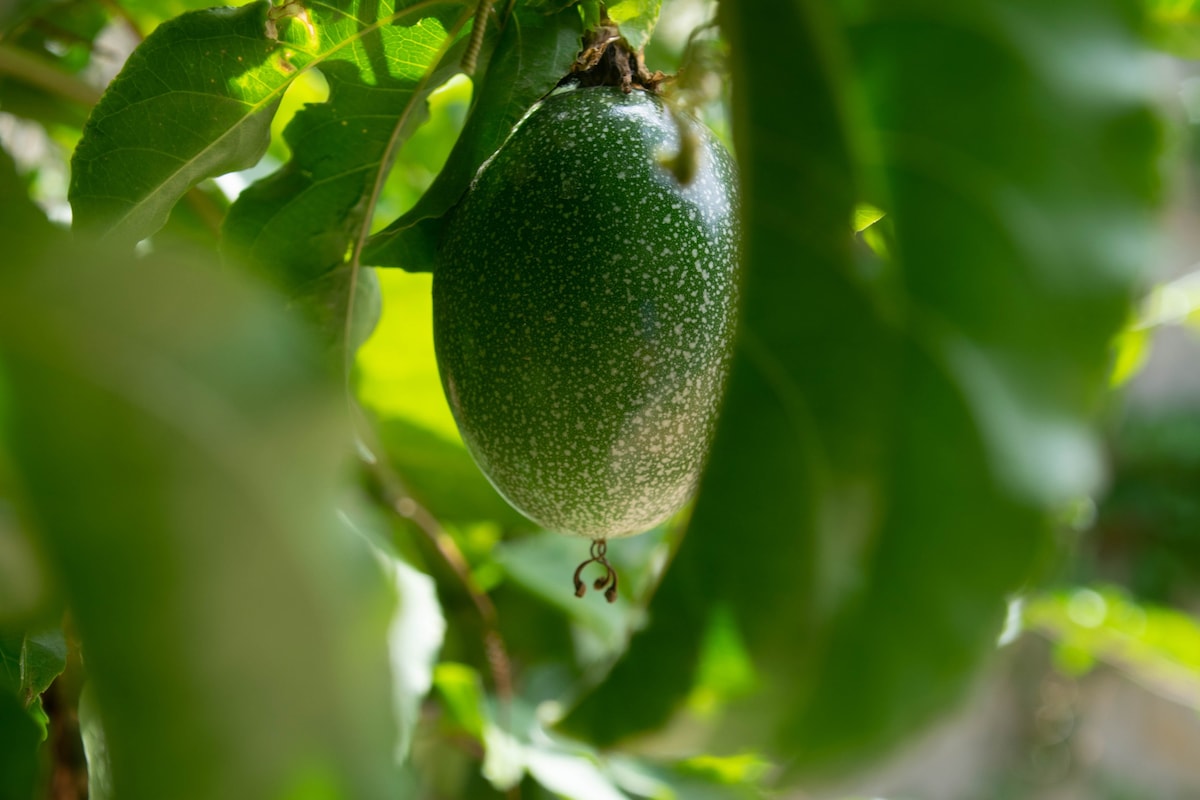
299,223
894,433
533,52
28,665
196,98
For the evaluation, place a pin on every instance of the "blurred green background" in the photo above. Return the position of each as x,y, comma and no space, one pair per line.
218,578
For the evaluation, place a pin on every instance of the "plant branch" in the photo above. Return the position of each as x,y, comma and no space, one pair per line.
385,163
401,502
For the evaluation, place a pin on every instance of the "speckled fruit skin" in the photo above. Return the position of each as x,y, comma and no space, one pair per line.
584,306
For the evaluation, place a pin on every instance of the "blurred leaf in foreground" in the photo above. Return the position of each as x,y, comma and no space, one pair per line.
19,739
181,453
894,434
1175,26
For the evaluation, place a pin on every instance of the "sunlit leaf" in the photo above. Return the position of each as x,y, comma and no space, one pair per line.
19,738
299,222
1175,26
635,18
866,215
1157,646
461,690
196,100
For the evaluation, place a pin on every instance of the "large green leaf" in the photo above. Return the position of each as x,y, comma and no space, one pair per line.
181,454
193,101
196,98
894,433
534,51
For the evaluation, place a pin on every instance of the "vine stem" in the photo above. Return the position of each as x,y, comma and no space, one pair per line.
364,228
396,495
482,11
401,502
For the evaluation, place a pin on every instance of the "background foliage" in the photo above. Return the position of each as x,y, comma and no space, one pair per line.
243,552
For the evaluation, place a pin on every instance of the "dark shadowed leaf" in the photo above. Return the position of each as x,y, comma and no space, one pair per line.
894,432
19,739
24,228
636,19
533,52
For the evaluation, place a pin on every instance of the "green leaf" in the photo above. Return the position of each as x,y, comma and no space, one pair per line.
461,691
326,300
301,221
534,51
414,639
95,748
24,228
30,663
894,435
1175,26
441,474
1158,646
233,627
19,740
194,100
636,19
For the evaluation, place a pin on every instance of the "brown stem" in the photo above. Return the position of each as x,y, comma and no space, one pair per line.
482,12
599,555
608,60
400,500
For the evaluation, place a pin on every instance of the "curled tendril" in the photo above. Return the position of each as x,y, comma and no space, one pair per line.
598,552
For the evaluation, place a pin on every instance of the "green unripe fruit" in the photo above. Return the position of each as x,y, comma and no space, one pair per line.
584,304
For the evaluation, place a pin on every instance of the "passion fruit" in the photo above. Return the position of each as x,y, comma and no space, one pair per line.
584,305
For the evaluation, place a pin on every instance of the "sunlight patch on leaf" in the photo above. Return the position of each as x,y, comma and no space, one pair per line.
461,689
725,669
414,640
865,215
636,19
1175,26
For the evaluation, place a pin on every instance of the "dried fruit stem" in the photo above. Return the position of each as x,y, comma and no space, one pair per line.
599,551
608,60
